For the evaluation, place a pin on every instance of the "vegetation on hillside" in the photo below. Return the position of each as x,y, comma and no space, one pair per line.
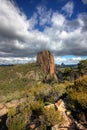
26,81
18,78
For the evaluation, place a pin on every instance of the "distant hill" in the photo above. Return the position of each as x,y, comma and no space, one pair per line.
69,65
6,64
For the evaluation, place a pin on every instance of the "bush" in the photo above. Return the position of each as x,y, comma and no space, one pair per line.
19,117
37,107
12,112
57,91
79,99
52,117
81,83
78,92
18,122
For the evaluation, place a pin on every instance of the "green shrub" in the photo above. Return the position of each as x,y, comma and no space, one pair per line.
79,98
11,112
19,117
18,122
52,116
78,92
57,90
42,127
37,107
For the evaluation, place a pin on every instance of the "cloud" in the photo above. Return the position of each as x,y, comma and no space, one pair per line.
82,18
23,60
44,15
57,19
84,1
73,60
68,8
15,60
19,37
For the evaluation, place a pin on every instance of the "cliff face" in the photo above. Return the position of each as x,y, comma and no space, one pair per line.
46,60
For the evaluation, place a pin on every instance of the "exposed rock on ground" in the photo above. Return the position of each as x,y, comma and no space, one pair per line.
69,123
4,107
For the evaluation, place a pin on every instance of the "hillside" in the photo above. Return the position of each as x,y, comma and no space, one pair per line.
27,102
71,72
18,78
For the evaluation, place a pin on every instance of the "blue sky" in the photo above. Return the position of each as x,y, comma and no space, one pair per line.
29,26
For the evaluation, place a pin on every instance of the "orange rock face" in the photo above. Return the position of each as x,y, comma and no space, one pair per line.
46,60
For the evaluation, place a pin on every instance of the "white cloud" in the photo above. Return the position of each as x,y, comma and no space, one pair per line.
84,1
44,15
68,8
18,45
73,60
23,60
57,19
33,21
11,17
16,60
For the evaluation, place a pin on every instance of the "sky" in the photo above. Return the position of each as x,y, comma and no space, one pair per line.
30,26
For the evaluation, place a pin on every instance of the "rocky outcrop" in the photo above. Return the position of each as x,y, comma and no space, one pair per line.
69,123
46,61
5,107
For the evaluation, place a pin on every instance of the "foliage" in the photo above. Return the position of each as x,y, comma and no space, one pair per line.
37,107
52,116
18,122
18,78
79,98
19,117
16,82
67,70
42,127
78,92
81,83
57,90
82,66
11,112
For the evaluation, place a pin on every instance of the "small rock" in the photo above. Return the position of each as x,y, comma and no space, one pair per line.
32,126
3,111
60,105
10,105
1,105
